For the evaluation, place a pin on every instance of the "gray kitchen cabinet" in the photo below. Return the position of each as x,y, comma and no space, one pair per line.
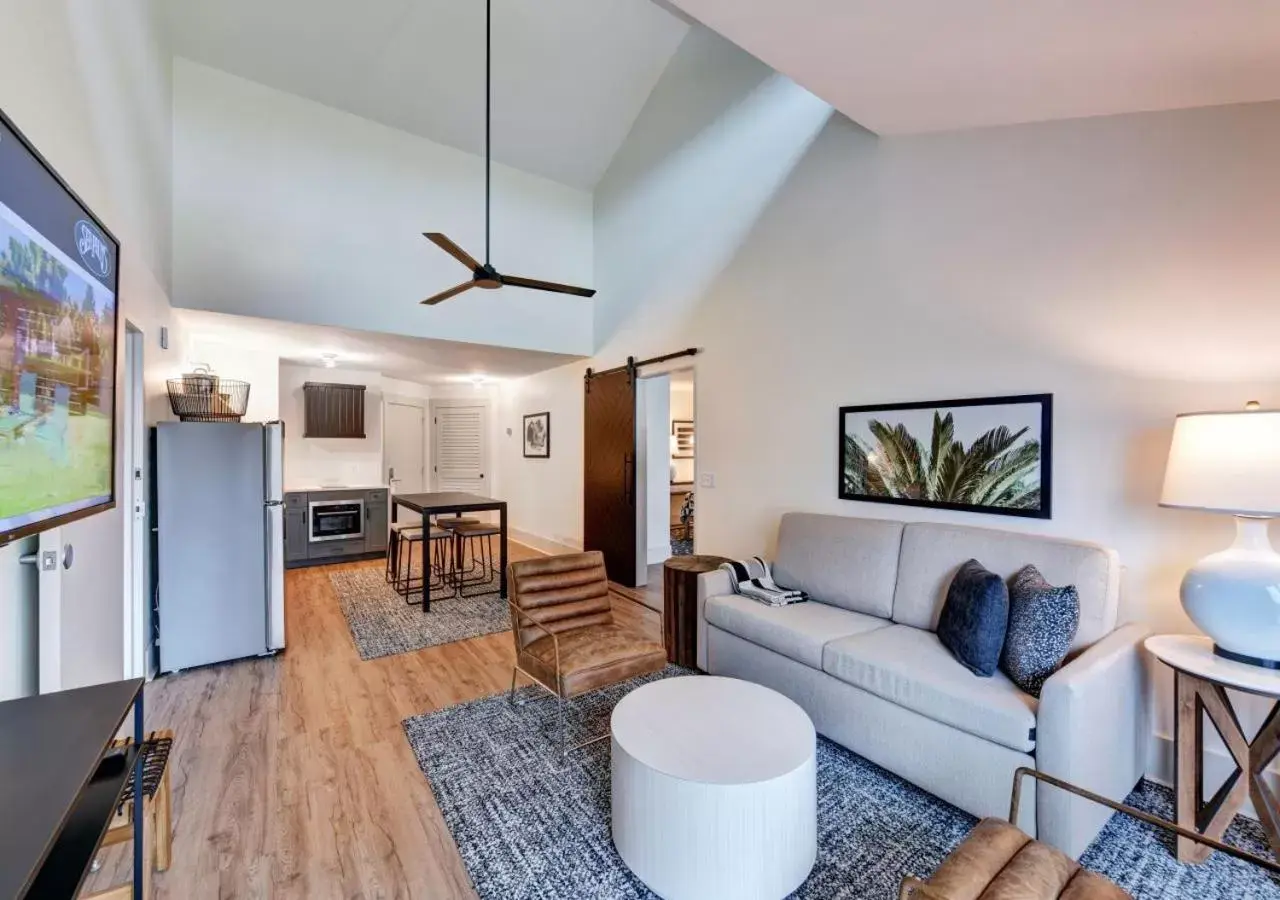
375,524
295,529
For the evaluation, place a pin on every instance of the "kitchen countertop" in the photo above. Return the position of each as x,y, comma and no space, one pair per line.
308,488
682,487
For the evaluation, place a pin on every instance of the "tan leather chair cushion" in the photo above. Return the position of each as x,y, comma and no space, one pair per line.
593,656
561,592
999,862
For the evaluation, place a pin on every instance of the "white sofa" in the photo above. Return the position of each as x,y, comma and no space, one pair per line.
863,660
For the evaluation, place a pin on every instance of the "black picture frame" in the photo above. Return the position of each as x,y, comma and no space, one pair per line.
847,449
56,521
533,419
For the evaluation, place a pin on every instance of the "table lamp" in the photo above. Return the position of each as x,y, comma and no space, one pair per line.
1229,462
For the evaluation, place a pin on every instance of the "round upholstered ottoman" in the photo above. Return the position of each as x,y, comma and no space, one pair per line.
714,791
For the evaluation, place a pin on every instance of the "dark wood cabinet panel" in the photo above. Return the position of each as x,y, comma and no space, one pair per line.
333,410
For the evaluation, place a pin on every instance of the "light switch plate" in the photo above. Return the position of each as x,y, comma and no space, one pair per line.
707,480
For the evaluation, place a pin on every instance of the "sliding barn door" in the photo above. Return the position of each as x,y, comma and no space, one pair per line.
609,469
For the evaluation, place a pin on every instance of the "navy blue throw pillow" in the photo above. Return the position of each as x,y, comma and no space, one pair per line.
974,618
1042,624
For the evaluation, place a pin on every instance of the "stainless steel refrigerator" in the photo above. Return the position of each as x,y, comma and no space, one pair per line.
219,541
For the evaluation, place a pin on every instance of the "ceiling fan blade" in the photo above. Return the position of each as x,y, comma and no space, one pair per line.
452,292
452,249
553,287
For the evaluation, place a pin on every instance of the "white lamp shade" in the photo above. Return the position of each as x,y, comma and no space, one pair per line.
1225,462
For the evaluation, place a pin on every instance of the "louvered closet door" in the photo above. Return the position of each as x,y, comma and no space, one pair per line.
460,452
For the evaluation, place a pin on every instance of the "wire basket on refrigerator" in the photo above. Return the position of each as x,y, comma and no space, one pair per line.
203,397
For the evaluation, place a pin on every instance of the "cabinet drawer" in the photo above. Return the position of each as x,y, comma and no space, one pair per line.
295,500
335,549
376,498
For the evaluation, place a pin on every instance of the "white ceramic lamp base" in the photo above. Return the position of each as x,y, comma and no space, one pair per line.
1234,596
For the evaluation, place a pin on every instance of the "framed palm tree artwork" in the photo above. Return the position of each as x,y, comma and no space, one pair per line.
988,455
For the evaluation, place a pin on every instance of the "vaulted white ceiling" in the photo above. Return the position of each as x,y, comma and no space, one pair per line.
929,65
569,76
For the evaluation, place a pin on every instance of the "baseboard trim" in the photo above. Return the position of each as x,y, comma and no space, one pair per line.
540,543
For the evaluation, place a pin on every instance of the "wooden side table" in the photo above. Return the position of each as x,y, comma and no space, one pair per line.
680,606
1202,679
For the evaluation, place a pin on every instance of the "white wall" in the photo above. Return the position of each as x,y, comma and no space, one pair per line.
245,360
89,84
290,210
1125,264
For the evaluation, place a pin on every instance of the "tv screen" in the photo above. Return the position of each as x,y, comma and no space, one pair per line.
58,314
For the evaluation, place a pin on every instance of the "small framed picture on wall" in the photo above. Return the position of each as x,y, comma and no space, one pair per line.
537,435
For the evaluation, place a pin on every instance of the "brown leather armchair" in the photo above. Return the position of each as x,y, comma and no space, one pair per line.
566,637
1000,862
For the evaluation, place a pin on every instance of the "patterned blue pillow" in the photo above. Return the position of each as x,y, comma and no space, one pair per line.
974,618
1042,624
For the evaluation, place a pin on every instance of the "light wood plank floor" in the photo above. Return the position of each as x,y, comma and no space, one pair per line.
292,777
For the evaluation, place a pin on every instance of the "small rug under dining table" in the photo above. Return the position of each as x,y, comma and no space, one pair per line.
383,623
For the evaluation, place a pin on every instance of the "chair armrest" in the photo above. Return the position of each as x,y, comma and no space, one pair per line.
523,615
1092,730
1268,864
710,584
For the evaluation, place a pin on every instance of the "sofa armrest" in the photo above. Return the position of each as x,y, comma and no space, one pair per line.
1093,731
710,584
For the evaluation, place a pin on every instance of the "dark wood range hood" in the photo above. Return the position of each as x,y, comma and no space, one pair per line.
333,410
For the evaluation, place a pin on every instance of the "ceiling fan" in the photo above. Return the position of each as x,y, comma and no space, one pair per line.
486,276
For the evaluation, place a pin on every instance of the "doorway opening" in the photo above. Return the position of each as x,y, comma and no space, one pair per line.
666,447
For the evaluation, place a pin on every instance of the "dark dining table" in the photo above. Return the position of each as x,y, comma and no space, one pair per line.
445,503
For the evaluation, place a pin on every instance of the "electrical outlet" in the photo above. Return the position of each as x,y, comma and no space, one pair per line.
707,480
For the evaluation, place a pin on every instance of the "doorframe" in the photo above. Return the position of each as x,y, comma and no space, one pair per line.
135,504
422,404
486,462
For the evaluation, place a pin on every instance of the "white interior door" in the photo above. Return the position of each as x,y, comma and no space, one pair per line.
403,450
460,446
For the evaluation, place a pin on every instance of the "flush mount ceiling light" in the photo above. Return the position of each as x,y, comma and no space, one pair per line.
486,276
329,360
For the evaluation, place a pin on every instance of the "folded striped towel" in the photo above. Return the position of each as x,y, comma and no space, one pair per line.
753,579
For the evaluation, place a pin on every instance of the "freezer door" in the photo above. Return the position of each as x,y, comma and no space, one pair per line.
275,576
273,461
211,535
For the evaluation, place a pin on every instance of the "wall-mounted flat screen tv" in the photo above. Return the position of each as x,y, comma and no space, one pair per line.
59,280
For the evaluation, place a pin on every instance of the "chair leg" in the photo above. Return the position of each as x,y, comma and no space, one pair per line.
511,697
162,812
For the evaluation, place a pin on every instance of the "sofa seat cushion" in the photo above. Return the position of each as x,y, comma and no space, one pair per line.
911,668
591,657
798,631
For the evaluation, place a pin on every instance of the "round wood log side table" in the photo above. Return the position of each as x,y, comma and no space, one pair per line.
1202,679
680,606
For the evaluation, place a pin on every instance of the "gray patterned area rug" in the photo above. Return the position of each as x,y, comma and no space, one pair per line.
531,829
382,623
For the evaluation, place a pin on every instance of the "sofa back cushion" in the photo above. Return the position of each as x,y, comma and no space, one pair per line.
932,553
846,562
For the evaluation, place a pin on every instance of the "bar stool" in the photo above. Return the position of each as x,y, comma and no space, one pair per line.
477,538
437,563
402,578
393,549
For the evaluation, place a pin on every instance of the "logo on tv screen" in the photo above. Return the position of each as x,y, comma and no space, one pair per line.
93,247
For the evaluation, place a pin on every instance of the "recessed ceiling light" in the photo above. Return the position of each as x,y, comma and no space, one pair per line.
329,360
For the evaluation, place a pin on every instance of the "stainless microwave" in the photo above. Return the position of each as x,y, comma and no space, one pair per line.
336,520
